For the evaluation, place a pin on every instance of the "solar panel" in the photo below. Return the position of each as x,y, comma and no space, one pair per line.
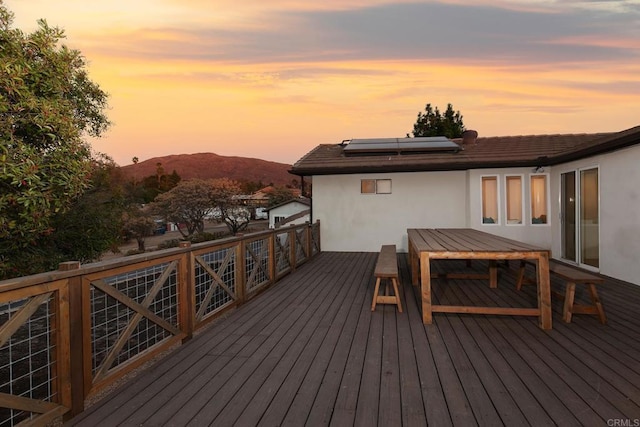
387,146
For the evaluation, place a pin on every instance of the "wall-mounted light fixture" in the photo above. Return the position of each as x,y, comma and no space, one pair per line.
538,169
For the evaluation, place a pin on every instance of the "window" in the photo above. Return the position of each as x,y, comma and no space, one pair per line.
490,200
375,186
539,205
514,199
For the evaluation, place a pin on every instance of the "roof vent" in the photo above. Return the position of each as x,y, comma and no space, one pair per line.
469,137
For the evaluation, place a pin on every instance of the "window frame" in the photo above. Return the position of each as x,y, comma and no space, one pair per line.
547,199
376,185
523,209
496,178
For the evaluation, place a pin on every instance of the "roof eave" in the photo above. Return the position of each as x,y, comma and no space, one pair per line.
606,147
451,166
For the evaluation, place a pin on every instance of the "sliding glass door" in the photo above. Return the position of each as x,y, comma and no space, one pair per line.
580,217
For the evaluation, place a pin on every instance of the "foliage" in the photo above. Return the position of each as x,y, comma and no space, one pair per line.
47,106
186,204
233,213
147,189
169,243
434,123
236,217
138,224
93,223
206,236
250,187
280,195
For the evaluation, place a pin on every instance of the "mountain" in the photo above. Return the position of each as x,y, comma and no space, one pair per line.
210,165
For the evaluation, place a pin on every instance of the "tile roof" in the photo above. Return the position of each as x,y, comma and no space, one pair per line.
301,200
489,152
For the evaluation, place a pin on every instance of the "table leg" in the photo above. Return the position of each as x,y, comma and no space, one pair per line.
414,265
425,281
544,291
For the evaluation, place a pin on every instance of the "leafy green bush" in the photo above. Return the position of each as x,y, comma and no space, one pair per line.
170,243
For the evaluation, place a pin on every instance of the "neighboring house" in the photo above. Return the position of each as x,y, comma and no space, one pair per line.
261,197
292,212
577,194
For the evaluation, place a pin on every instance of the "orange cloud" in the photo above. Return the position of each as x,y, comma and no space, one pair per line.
273,79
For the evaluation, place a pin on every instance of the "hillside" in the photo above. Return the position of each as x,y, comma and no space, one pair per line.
210,165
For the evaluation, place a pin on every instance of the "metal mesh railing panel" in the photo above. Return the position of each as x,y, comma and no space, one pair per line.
283,252
110,317
27,359
301,245
204,280
315,239
257,263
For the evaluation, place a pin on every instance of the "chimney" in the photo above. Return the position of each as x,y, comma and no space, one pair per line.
469,137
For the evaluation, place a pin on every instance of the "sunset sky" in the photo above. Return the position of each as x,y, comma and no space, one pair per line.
273,79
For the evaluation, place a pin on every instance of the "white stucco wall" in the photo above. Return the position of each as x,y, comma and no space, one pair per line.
351,221
619,176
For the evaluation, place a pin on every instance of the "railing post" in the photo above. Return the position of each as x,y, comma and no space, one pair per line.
293,247
319,236
186,284
76,344
272,256
309,233
241,272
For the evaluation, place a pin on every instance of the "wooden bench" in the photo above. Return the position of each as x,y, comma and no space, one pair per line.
387,268
573,277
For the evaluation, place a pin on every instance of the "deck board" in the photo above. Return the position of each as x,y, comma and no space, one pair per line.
309,351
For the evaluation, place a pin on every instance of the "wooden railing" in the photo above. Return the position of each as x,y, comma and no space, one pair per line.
66,335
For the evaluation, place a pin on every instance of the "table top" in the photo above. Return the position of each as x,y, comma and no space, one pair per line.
464,240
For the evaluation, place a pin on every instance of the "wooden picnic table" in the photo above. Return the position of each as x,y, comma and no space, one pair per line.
465,243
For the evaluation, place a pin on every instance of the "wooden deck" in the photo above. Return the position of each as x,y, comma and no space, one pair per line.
309,351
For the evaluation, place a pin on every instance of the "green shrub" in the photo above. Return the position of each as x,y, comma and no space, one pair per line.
205,237
171,243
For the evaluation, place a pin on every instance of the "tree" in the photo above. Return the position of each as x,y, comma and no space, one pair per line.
188,204
433,123
48,105
93,223
146,190
138,224
280,195
232,211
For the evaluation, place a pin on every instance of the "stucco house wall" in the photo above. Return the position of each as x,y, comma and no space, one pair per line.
351,221
440,188
619,179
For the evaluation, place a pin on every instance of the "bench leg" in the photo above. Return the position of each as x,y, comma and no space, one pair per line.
387,299
597,304
375,295
570,294
397,293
